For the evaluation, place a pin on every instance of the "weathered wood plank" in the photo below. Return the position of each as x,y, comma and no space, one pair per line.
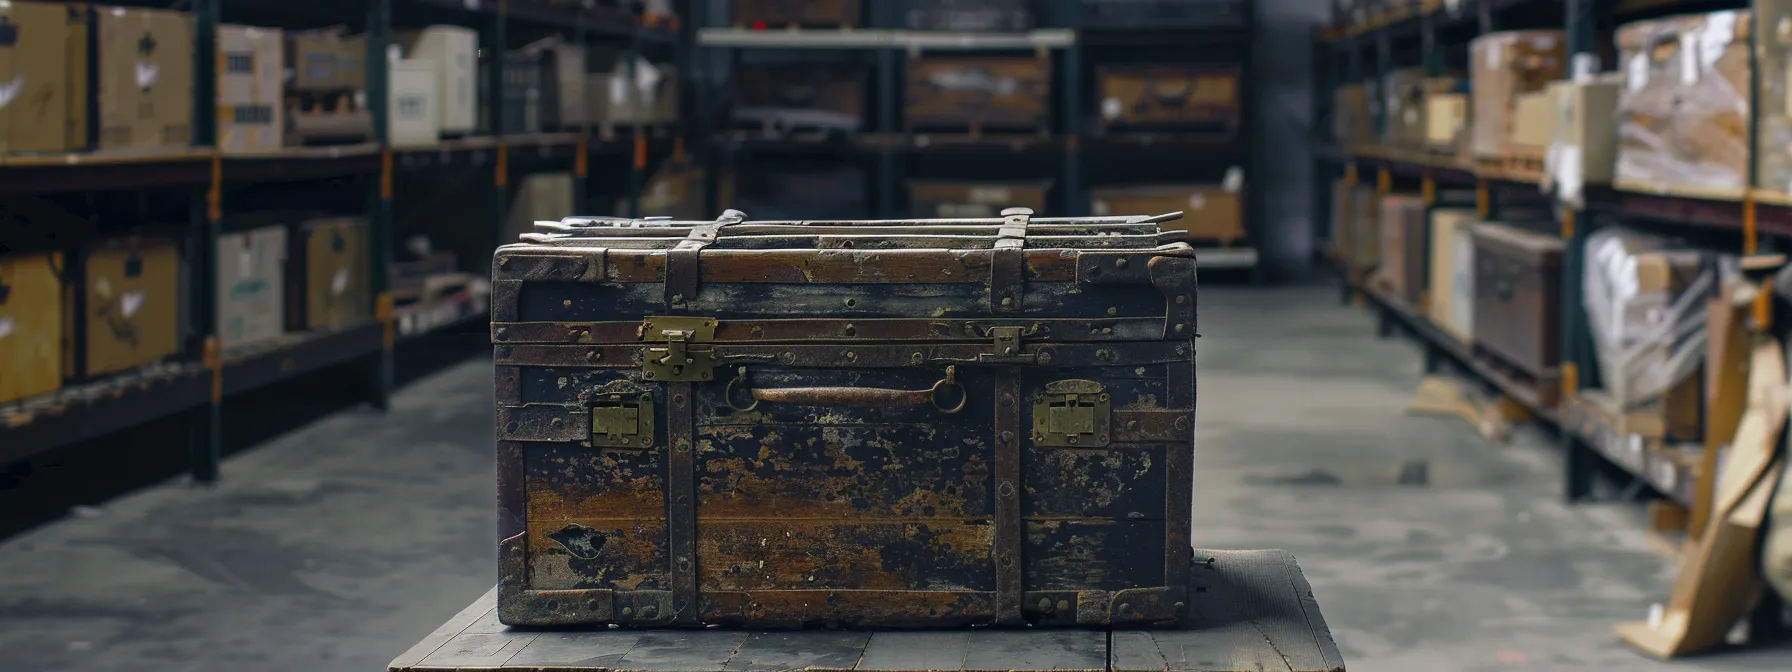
1256,612
487,604
1253,610
942,651
1003,650
780,651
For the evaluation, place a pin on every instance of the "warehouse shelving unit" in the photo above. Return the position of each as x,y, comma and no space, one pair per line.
203,377
1071,146
1588,434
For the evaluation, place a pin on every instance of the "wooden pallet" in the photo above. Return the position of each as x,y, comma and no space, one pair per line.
1519,167
1540,391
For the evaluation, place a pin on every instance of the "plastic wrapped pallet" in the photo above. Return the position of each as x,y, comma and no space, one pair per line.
1683,115
1645,304
1773,142
1503,67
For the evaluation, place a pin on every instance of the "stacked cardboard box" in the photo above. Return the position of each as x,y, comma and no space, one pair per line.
1504,67
1405,96
43,71
1352,122
1684,109
1583,146
251,74
145,78
326,94
1773,142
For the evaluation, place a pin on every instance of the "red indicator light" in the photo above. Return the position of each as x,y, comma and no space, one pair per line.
758,25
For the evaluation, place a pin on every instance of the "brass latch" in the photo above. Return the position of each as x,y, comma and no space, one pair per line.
622,421
682,360
1007,347
1072,413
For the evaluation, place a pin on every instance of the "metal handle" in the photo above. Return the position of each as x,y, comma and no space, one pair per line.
1503,284
1160,94
851,396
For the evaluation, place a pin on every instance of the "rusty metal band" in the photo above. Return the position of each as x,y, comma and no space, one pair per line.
1179,473
1175,278
512,499
858,355
873,330
1008,265
1006,469
682,273
681,500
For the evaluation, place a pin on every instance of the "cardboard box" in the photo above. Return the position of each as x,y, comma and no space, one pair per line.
43,75
251,285
540,197
454,52
31,324
1210,212
329,265
1773,142
326,60
251,74
1352,120
412,104
1446,121
130,314
1504,66
1584,146
1404,94
1448,225
1684,118
1533,121
146,78
652,99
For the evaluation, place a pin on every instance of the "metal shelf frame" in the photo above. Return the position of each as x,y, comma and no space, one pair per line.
202,379
1756,215
888,145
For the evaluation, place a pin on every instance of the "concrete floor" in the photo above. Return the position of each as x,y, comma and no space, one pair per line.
339,545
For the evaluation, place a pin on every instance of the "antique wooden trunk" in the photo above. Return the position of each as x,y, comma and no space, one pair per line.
1518,275
802,96
1403,247
856,424
1169,97
952,198
781,13
978,93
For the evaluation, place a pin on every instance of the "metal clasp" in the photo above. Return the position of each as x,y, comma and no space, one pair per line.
1072,414
682,360
1007,348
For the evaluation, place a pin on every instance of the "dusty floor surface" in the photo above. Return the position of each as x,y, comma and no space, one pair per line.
337,546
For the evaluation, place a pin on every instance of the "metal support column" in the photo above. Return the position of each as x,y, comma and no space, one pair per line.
581,160
379,212
205,441
494,91
637,165
886,177
1579,364
1076,198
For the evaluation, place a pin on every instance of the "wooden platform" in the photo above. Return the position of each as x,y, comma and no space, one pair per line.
1253,610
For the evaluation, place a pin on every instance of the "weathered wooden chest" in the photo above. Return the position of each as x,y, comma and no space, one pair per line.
1169,97
978,93
1518,278
847,424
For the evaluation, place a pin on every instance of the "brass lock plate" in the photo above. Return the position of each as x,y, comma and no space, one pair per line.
1072,414
683,359
622,421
